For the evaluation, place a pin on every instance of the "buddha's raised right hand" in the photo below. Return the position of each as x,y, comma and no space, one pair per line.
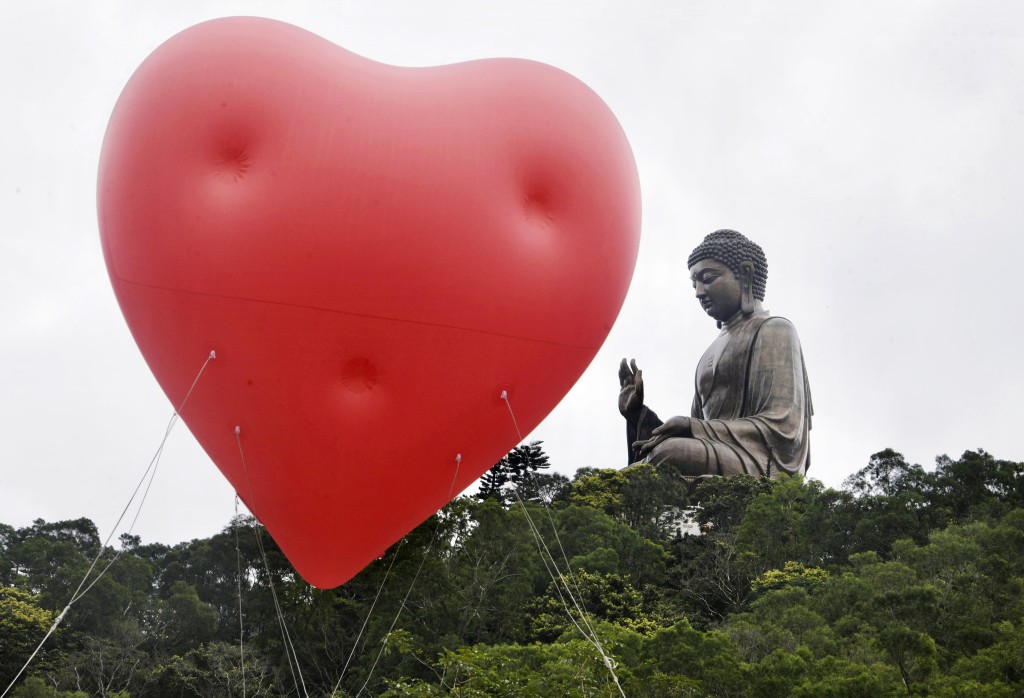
631,395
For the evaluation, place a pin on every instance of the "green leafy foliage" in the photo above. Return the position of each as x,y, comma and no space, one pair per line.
518,469
35,687
792,573
906,581
23,623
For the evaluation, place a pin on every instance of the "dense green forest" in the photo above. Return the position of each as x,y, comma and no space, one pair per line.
905,581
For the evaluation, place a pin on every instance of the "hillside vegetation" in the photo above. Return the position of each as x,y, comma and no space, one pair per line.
902,582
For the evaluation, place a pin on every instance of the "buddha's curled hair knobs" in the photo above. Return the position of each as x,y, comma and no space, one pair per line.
732,248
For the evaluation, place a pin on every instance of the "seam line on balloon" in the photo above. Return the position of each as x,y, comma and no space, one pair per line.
362,315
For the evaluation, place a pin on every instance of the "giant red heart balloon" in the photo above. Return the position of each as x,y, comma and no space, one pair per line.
374,253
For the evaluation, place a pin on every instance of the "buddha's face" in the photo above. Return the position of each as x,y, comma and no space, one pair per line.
717,289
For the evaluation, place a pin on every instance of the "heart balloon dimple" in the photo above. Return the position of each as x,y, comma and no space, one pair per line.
374,253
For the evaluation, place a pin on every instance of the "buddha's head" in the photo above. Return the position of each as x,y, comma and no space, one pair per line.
729,274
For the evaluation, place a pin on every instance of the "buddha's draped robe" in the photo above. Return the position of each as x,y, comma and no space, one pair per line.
751,409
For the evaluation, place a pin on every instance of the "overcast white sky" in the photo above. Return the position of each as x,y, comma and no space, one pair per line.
874,149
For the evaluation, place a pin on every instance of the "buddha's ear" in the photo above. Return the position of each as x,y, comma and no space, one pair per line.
747,287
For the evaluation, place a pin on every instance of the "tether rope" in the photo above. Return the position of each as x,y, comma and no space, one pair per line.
423,560
241,623
150,472
366,620
289,648
542,548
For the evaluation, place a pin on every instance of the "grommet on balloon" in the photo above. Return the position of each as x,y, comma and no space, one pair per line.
332,225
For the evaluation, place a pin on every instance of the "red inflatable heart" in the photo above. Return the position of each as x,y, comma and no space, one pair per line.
375,253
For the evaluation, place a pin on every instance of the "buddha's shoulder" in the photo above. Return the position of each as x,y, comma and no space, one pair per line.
777,326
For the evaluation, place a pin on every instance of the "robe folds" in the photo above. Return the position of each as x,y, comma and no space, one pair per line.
751,409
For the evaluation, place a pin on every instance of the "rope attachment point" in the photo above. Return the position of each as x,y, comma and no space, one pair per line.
504,396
